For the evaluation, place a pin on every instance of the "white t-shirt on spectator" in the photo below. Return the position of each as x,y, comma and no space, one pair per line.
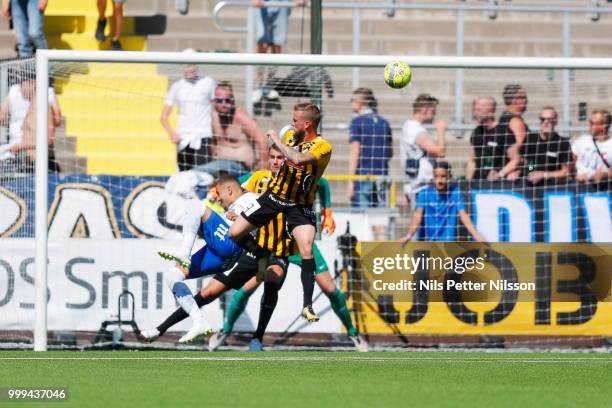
18,108
193,99
588,161
409,149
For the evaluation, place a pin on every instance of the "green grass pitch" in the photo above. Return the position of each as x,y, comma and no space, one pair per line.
312,379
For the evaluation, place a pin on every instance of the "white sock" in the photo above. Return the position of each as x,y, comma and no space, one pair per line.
195,313
191,222
174,279
189,305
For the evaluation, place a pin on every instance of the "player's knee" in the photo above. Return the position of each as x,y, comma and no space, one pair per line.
327,285
273,286
174,275
250,286
274,274
306,253
235,232
305,248
205,292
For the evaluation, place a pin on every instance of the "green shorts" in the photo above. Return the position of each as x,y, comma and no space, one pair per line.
318,257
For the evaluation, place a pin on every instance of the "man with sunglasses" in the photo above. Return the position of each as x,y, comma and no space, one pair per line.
234,130
192,95
545,154
592,153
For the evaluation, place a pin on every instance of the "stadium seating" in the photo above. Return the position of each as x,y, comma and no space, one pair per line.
109,141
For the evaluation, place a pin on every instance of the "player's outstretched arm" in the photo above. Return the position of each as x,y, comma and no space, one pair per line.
414,226
292,155
467,221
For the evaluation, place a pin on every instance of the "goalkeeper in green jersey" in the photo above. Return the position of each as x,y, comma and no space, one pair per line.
257,182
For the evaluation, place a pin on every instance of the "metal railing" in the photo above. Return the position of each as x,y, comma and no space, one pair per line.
492,9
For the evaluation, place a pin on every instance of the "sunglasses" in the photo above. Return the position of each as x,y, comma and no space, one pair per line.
551,120
227,101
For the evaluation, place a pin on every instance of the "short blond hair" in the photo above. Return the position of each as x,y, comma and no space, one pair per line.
311,111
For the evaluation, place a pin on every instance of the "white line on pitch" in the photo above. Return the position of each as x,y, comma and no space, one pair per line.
324,359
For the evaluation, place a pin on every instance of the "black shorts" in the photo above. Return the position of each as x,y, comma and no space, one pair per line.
245,269
268,205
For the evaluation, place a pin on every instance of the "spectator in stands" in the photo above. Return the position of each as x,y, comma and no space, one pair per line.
592,153
117,25
193,96
271,30
236,132
545,154
14,110
27,18
511,132
515,99
437,210
271,25
25,151
371,149
418,150
487,151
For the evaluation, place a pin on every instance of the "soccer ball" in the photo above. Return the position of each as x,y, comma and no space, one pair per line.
397,74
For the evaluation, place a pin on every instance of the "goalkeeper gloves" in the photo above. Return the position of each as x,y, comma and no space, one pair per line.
328,225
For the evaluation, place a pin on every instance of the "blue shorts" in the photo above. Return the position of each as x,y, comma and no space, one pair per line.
219,251
271,26
368,195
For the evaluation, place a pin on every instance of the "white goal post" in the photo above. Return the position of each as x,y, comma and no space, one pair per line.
46,58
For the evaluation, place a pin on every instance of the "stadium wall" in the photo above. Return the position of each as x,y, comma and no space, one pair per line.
106,207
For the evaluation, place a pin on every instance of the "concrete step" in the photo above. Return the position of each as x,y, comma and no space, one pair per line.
132,25
196,7
113,121
99,70
417,28
131,7
65,154
132,164
88,42
61,24
125,89
90,146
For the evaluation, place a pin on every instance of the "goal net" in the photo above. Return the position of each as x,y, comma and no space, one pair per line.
531,177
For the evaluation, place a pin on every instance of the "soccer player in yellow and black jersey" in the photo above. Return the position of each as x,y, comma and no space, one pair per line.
271,236
294,182
292,192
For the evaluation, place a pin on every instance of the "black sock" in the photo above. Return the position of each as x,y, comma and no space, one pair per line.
179,315
201,301
249,244
268,304
307,275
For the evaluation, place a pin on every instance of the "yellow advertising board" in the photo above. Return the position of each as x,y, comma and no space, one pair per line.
470,288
